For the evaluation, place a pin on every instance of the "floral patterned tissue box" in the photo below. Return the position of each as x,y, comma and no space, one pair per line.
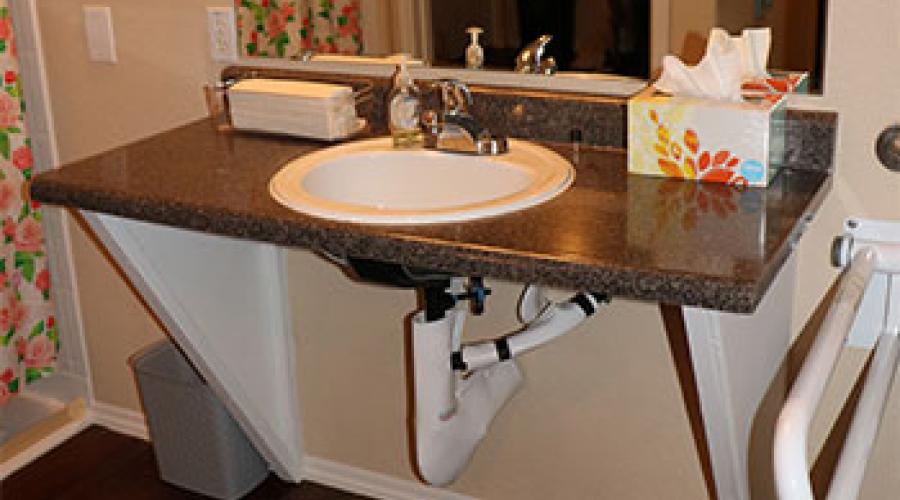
737,143
779,82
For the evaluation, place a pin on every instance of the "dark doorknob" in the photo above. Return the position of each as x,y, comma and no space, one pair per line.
887,147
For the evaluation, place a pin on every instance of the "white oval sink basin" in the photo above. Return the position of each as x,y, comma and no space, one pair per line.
371,182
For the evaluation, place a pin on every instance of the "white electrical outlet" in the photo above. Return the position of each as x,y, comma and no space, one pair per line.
222,34
98,28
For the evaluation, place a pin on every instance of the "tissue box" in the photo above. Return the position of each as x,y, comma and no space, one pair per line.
780,82
738,143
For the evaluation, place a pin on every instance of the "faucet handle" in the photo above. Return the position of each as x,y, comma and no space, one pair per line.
455,96
430,123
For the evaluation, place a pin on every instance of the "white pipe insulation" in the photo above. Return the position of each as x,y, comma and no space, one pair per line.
556,321
453,411
452,415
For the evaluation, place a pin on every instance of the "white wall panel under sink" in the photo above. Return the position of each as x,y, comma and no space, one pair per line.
222,300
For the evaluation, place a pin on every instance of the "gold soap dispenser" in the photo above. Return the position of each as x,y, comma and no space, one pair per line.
404,108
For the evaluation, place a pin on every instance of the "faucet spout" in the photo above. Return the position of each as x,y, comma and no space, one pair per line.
453,129
467,123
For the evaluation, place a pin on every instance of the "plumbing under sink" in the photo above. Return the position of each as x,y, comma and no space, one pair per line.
370,181
458,389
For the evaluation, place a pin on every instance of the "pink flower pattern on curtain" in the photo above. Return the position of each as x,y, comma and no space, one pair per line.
287,28
28,336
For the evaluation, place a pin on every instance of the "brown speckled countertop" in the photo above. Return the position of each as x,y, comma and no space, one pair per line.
630,236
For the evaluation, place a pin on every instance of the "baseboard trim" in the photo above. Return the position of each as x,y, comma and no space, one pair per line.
44,445
121,420
320,470
372,484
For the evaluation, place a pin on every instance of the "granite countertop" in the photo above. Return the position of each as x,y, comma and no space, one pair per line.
631,236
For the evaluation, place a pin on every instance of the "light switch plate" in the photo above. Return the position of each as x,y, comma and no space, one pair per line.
98,29
222,34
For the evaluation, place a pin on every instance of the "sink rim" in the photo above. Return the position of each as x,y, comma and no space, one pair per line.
551,175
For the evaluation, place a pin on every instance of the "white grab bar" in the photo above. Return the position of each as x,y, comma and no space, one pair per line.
792,429
851,467
869,247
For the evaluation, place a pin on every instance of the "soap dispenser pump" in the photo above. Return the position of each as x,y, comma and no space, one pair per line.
404,108
474,52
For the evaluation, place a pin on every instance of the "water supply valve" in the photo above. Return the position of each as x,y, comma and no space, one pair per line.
439,298
477,293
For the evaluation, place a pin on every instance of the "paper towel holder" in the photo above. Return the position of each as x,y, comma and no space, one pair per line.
219,108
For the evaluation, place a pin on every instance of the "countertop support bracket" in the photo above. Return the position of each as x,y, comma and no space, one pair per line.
736,361
222,301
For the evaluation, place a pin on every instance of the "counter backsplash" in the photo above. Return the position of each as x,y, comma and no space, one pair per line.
553,116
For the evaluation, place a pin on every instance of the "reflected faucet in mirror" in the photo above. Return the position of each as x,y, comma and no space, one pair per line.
531,58
610,37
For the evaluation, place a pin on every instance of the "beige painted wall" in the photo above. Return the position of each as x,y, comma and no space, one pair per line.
163,60
858,83
600,415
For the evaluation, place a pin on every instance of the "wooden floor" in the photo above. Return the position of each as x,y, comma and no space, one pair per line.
99,464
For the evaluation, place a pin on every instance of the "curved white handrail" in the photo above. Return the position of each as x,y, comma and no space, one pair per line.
792,429
851,467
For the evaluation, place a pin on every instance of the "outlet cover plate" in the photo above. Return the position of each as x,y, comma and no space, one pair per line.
98,29
222,34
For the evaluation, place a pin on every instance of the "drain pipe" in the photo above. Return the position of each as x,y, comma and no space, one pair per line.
554,322
453,411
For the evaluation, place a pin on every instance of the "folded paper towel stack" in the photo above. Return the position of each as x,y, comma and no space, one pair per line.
305,109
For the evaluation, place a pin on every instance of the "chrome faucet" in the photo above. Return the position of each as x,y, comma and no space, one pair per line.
453,129
531,59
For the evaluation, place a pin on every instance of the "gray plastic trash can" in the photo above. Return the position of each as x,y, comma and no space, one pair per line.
198,445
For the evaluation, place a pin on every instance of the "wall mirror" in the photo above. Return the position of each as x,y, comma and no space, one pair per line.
619,37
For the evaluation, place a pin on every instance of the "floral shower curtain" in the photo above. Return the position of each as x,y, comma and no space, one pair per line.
28,336
287,28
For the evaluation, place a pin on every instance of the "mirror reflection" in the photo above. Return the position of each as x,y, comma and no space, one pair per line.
623,37
607,36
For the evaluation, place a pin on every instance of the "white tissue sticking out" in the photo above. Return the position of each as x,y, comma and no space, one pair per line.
755,45
728,62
